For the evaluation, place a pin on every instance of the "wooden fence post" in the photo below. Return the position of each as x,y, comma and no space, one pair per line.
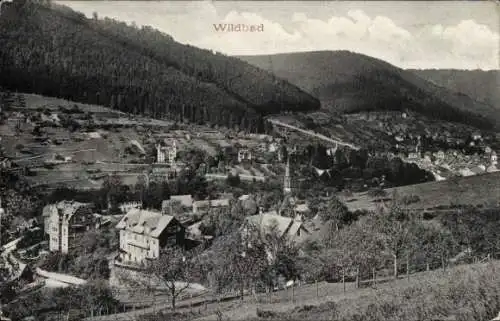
408,268
374,277
343,279
317,288
357,277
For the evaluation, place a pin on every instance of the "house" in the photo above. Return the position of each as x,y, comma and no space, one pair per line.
293,229
273,147
200,206
5,163
144,233
166,153
185,200
46,211
67,220
301,209
439,155
476,136
127,206
413,155
244,155
493,158
23,225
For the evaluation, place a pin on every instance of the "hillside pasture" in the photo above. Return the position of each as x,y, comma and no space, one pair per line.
483,189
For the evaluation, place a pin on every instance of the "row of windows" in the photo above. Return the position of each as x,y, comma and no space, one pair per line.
138,237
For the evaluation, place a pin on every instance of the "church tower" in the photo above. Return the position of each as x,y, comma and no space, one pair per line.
287,184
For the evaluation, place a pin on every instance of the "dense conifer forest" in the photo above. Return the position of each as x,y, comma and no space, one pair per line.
52,50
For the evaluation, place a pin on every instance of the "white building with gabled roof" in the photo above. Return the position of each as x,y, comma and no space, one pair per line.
144,233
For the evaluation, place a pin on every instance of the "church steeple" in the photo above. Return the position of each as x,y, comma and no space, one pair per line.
287,185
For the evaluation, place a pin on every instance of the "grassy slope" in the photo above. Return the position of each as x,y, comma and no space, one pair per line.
349,82
427,295
473,190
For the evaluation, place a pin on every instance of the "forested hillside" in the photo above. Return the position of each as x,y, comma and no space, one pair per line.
348,82
52,50
479,84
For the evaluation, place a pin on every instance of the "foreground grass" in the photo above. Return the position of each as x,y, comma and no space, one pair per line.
467,293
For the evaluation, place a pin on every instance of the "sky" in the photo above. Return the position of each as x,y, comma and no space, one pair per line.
419,34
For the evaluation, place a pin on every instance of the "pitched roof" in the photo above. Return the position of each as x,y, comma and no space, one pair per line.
186,200
212,203
145,222
269,219
302,208
66,208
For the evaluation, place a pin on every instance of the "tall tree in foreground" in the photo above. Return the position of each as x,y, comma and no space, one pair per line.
238,260
174,270
396,227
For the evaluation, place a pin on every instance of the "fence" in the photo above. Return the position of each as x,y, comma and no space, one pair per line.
294,293
207,303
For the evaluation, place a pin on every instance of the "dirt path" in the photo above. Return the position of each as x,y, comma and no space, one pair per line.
311,133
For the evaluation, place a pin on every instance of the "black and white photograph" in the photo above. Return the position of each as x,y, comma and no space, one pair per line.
249,160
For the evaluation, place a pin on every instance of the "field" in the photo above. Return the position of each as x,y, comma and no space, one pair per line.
481,189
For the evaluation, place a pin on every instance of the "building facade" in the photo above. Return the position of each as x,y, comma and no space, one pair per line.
67,220
244,155
166,154
144,233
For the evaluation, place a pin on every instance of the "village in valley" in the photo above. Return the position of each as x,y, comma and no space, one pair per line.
232,182
143,178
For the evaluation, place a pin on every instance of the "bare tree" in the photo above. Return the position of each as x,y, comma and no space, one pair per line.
396,228
174,269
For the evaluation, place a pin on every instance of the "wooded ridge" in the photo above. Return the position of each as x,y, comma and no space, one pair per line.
52,50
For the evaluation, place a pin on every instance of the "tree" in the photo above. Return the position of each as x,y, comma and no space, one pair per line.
233,180
435,242
97,297
174,269
357,246
223,221
396,228
335,212
239,260
282,255
111,189
310,263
